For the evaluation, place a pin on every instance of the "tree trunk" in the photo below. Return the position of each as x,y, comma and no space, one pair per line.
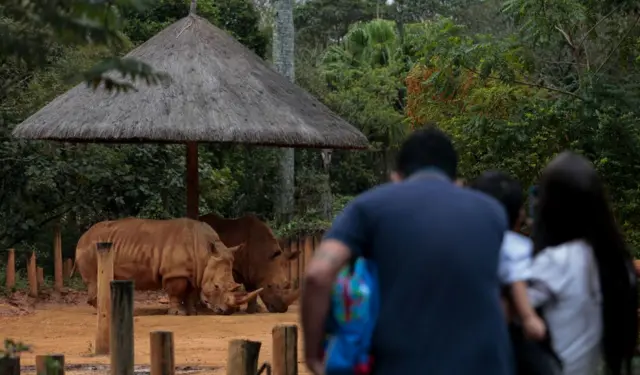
283,59
326,197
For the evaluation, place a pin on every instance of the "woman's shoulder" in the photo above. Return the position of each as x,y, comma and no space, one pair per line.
553,264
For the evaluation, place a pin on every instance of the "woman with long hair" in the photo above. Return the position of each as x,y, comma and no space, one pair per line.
583,277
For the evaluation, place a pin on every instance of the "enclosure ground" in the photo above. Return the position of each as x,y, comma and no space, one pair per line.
200,341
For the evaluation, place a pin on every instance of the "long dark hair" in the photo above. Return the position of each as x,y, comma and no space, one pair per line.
573,205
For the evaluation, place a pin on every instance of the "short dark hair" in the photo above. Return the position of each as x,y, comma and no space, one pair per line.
427,147
505,189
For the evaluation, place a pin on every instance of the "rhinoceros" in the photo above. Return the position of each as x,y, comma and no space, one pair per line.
184,257
259,265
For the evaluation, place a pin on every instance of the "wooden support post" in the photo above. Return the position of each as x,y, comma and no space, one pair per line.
67,266
122,327
105,276
193,189
10,366
40,278
52,364
243,357
162,354
285,349
32,274
11,269
308,252
286,247
57,259
295,264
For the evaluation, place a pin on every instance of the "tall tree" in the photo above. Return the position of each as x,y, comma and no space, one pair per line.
283,59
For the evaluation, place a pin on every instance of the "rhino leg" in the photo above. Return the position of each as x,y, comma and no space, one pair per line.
177,289
92,294
253,307
192,301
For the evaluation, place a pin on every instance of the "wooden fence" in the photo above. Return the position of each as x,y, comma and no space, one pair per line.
35,274
295,269
114,337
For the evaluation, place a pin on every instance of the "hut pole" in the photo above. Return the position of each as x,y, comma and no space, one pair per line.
193,190
193,194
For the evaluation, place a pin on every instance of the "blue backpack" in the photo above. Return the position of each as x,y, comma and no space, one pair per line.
355,303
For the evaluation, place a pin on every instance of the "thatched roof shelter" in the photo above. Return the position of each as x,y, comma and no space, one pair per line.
220,92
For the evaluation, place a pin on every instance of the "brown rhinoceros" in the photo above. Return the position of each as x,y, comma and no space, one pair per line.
183,256
259,264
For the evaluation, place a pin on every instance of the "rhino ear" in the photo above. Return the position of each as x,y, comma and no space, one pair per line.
293,255
236,248
275,254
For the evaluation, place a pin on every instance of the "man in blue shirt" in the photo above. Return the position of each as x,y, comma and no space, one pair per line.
436,247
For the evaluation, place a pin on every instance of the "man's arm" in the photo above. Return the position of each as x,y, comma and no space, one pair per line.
348,237
318,281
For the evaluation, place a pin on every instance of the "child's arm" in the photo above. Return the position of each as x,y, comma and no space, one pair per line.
533,326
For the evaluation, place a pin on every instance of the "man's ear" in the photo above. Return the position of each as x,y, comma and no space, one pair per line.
395,176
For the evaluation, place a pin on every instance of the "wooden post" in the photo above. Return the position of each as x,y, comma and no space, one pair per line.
286,248
11,269
32,274
122,327
308,252
193,190
56,361
105,276
10,366
162,354
57,259
40,278
67,266
295,264
243,357
285,349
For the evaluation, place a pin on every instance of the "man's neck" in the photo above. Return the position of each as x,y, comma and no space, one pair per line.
429,172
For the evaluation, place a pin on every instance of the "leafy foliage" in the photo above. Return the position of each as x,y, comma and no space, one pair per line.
13,349
29,28
514,82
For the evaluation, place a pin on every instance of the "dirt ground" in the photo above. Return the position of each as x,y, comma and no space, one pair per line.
66,325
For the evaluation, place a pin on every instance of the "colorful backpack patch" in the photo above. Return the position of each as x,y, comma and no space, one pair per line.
355,304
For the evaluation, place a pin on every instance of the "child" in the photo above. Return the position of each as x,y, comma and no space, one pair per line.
516,252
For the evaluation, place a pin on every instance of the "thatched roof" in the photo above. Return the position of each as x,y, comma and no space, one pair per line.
220,92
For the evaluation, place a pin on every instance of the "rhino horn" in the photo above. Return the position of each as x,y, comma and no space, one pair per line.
247,297
290,298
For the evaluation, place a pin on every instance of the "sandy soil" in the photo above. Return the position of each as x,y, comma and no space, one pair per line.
69,328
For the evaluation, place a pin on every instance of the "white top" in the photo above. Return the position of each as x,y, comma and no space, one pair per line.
565,282
515,258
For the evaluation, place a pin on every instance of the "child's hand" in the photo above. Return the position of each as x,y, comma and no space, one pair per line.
534,327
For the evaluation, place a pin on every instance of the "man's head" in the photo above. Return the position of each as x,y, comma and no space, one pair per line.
507,191
426,148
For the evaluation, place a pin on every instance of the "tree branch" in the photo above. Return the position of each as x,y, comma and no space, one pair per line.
624,37
586,35
40,224
553,89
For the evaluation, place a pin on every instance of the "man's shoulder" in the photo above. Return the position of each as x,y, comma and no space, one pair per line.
484,202
374,194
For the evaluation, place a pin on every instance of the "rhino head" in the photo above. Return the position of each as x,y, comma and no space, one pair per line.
278,293
220,292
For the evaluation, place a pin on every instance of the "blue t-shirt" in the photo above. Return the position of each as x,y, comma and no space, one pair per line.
436,247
